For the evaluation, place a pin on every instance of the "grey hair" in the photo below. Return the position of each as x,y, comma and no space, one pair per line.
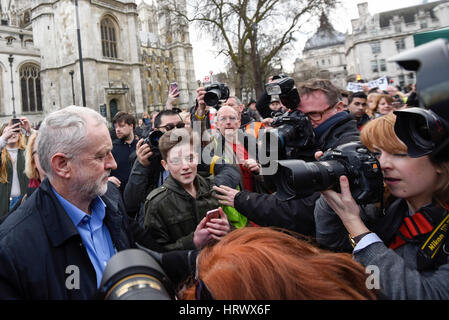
64,131
237,100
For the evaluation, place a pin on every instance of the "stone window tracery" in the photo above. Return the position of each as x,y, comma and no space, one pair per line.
30,86
108,38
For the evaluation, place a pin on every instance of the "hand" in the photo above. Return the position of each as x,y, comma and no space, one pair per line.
267,121
346,208
25,124
172,95
251,165
9,131
115,181
318,155
225,195
201,110
143,152
218,227
201,236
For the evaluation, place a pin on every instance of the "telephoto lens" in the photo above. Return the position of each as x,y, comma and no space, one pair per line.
297,178
133,274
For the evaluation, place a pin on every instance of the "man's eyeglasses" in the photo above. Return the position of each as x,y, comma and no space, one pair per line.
318,115
231,118
171,126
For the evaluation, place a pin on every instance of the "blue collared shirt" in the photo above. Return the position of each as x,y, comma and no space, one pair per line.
93,232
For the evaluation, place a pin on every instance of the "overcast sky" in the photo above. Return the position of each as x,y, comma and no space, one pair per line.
206,59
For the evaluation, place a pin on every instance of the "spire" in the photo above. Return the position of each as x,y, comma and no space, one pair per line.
325,36
325,24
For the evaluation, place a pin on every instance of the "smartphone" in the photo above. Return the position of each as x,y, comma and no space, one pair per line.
13,122
212,214
173,85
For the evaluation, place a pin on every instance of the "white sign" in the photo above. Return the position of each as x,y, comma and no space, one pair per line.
381,83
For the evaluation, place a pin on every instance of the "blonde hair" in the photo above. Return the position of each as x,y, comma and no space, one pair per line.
5,157
30,166
380,132
372,110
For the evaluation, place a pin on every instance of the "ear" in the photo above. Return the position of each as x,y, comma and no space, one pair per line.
164,164
61,165
340,106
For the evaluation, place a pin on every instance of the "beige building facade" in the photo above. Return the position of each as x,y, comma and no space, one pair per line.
374,39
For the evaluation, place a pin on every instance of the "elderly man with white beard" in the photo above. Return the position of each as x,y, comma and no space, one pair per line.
57,244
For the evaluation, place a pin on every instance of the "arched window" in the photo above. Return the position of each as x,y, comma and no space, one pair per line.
30,85
108,38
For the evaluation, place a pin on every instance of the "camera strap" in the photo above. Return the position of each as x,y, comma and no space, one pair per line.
428,253
428,228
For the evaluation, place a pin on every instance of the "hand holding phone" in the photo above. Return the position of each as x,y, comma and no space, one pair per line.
212,214
14,122
174,89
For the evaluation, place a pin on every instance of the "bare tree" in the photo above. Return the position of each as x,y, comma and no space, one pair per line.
250,32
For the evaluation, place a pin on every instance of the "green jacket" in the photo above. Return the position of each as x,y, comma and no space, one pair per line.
172,214
5,188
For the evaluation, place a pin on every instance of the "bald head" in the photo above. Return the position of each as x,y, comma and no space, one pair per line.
227,119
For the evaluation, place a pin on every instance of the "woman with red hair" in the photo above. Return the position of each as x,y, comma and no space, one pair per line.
264,263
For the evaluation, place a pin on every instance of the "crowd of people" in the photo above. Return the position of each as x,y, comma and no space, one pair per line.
74,193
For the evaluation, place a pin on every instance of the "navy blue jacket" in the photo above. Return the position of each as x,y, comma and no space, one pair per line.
40,247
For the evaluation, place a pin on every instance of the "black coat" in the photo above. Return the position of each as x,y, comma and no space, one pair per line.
296,214
40,248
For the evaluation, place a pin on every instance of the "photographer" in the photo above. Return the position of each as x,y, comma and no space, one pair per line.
332,126
407,241
13,181
393,240
147,175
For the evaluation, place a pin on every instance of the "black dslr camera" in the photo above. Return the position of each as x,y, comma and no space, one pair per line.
425,130
153,141
284,87
291,131
297,178
215,93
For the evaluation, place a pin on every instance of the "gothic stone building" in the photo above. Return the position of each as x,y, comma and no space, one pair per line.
130,54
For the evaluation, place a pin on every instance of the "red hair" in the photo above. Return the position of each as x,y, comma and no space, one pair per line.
257,263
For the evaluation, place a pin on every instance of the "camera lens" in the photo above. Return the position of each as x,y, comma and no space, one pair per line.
421,134
154,138
133,275
212,97
298,178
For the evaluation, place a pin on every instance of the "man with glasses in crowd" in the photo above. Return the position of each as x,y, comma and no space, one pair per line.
321,102
147,175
